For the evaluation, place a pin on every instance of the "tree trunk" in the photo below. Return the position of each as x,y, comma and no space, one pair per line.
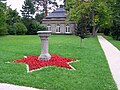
95,30
45,7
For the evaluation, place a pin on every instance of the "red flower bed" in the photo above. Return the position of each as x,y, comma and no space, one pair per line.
34,63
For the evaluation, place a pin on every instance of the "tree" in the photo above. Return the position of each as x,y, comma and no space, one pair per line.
115,32
36,26
28,9
27,13
45,4
27,22
98,12
20,28
81,29
39,17
101,14
3,28
31,7
12,18
2,0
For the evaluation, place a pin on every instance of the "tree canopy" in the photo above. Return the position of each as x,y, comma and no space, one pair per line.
97,11
3,29
28,9
42,6
115,30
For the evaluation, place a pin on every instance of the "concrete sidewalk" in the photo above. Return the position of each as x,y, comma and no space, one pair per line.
4,86
113,56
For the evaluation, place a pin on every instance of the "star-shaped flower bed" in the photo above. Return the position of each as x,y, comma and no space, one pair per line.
33,63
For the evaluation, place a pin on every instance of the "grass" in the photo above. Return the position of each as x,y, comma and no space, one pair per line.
92,71
114,42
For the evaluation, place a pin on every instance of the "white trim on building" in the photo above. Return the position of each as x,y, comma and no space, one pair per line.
68,29
49,27
58,28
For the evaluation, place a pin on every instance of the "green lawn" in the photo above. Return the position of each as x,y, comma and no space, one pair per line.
92,72
114,42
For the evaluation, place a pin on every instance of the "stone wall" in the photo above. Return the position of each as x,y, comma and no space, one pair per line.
55,23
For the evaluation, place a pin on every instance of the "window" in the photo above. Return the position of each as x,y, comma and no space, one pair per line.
58,28
67,29
49,27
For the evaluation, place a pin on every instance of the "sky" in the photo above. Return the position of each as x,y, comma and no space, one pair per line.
17,4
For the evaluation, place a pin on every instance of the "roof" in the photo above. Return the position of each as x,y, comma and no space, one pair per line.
58,13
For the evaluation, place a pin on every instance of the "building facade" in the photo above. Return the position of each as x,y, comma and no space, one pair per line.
56,22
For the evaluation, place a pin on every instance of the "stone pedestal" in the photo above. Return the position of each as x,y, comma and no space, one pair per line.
44,36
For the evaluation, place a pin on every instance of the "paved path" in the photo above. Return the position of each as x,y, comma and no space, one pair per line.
113,57
4,86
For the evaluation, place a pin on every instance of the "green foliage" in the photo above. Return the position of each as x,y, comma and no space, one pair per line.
33,26
115,32
12,16
27,22
39,17
38,6
3,28
36,26
81,29
20,28
28,9
102,13
11,29
45,4
40,27
2,0
76,10
97,12
106,31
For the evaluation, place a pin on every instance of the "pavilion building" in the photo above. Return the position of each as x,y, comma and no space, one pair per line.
56,22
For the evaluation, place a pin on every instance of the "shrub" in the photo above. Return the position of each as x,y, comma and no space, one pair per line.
115,31
41,28
106,31
11,30
3,28
20,28
115,34
3,31
34,27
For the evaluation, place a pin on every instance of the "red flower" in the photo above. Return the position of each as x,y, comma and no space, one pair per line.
34,63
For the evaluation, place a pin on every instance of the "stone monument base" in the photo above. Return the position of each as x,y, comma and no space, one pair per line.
44,56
